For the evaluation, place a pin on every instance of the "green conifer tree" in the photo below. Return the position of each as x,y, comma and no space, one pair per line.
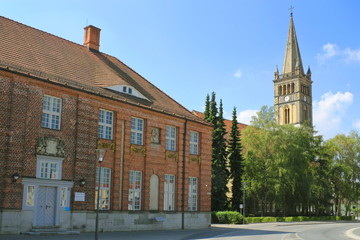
219,171
207,107
236,161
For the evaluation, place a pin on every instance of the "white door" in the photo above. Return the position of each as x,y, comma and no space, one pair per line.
46,206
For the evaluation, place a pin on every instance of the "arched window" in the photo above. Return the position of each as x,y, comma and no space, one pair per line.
287,115
284,90
305,113
288,88
292,87
280,90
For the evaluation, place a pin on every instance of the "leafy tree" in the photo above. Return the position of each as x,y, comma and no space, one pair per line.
345,153
264,118
234,155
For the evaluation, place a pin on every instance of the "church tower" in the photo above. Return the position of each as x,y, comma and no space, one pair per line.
292,88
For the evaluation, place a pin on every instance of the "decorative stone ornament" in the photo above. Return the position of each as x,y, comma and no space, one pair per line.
50,146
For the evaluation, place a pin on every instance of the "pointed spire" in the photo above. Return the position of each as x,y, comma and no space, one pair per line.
308,74
292,58
276,73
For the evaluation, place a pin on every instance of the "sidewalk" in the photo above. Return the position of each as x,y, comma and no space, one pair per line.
137,235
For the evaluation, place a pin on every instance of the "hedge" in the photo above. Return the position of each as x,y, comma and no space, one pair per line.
232,217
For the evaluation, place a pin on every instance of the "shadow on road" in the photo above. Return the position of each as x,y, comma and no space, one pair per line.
219,233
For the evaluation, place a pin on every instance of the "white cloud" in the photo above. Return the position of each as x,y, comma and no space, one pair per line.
329,50
329,112
352,55
238,74
245,116
356,124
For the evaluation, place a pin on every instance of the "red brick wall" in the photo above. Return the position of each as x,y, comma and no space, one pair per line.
20,127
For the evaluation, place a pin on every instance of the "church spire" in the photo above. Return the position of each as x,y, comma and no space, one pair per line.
292,60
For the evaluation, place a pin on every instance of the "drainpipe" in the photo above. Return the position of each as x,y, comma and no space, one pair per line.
183,178
122,163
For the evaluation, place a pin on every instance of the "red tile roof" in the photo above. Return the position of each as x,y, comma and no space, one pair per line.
24,49
228,123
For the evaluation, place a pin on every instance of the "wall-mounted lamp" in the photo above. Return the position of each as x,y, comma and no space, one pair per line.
15,177
82,182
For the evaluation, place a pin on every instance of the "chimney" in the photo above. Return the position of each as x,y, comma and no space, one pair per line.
92,37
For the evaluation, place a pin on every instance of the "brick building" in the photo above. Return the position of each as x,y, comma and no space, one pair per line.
59,101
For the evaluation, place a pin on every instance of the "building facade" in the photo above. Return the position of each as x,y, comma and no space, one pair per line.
59,102
293,88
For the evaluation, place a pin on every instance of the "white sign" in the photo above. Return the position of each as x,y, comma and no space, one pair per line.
241,206
80,196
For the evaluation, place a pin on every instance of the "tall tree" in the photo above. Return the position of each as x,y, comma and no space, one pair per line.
207,107
219,169
234,155
345,153
213,111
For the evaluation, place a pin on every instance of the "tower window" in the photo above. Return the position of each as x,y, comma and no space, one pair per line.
288,88
284,90
287,116
292,87
280,90
305,113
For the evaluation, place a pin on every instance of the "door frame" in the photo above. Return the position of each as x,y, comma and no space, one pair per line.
58,184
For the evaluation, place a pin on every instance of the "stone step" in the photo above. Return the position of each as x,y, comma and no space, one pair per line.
39,231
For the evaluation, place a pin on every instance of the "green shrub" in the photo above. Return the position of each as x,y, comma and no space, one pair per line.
227,217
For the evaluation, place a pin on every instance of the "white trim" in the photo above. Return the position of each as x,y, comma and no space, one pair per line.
105,125
194,143
51,114
170,138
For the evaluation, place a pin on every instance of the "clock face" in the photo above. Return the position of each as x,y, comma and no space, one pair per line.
286,98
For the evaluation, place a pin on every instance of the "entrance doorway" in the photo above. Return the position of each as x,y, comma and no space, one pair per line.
46,206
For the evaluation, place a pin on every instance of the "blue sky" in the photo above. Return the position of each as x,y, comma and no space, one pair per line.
190,48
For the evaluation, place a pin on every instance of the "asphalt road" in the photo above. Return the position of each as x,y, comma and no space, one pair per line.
264,231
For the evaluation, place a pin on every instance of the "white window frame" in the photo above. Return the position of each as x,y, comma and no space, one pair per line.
194,143
169,192
170,138
193,193
135,186
49,168
51,114
105,177
137,131
30,196
63,196
106,125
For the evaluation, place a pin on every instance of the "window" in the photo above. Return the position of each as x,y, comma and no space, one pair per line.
134,190
130,91
124,89
194,143
51,115
170,138
63,197
287,116
169,192
30,195
105,177
193,192
105,124
137,131
305,113
49,170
